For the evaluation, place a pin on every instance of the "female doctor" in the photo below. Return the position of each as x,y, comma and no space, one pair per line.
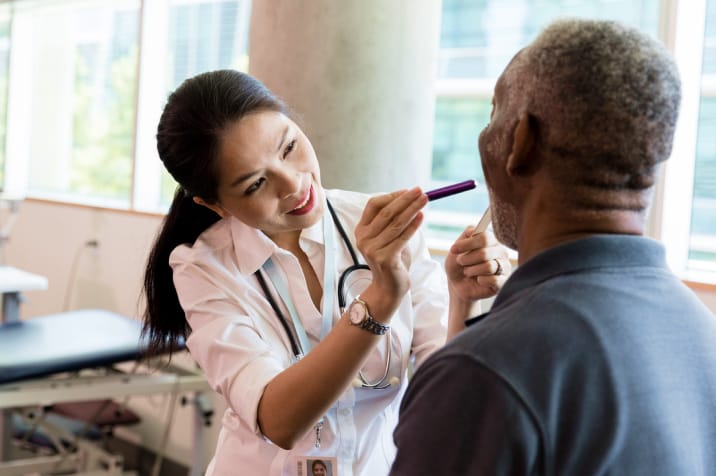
264,272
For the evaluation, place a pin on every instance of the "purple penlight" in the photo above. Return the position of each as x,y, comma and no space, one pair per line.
451,189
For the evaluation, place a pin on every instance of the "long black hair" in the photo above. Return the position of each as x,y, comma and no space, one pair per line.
188,141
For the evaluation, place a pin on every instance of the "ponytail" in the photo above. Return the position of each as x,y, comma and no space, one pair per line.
165,323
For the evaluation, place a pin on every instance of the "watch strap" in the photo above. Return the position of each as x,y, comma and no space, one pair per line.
371,325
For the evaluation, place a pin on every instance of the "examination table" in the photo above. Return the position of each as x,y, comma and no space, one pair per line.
74,357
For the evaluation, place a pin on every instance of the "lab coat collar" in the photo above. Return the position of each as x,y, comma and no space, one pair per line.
253,247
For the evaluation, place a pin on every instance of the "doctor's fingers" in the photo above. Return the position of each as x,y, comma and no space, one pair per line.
387,248
494,282
393,209
395,216
468,241
481,254
484,260
376,204
491,267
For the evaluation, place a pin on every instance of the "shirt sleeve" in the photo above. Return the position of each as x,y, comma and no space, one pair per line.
458,417
225,341
428,287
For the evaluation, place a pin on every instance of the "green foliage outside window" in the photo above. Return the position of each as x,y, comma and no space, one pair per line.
103,129
703,217
458,123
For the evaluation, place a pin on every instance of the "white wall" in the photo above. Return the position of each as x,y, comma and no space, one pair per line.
708,297
49,239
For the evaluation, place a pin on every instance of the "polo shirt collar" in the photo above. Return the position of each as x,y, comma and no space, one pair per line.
253,247
593,252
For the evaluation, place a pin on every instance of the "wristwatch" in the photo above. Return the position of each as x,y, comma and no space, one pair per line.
359,316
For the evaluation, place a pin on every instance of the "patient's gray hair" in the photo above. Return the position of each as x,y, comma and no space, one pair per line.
606,100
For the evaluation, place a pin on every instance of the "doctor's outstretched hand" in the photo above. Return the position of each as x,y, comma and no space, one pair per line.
387,223
476,266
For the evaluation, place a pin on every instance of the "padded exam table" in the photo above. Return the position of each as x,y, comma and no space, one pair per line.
70,357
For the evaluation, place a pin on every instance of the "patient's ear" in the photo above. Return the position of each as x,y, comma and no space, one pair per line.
523,159
215,207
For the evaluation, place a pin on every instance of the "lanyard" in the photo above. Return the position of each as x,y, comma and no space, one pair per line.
329,271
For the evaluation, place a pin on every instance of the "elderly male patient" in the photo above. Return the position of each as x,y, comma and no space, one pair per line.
594,359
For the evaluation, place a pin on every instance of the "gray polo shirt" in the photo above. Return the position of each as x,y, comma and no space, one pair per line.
594,359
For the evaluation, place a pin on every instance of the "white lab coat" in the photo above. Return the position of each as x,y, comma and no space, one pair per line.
240,344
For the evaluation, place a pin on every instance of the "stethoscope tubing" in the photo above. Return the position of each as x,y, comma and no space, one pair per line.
342,283
294,344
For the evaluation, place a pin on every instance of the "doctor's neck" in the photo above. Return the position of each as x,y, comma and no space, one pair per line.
287,240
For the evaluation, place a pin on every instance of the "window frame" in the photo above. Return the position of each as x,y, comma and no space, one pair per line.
682,31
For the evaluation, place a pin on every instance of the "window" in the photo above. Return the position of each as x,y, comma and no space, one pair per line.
702,240
187,37
478,38
87,80
72,91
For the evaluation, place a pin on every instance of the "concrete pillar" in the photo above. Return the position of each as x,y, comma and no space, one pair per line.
359,74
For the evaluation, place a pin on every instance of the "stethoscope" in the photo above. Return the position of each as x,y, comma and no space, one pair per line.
299,344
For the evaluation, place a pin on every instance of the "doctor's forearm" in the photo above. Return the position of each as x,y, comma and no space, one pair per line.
299,396
458,311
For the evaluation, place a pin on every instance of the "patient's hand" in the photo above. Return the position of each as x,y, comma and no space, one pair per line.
471,265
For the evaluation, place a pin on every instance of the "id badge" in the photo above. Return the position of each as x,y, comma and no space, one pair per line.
314,465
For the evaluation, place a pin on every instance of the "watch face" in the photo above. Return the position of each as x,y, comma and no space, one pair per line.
356,313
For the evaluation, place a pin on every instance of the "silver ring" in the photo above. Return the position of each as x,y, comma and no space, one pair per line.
498,271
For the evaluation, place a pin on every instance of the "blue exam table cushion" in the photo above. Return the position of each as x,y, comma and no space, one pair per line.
67,342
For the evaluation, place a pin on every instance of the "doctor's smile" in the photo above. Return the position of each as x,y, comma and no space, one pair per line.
306,204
